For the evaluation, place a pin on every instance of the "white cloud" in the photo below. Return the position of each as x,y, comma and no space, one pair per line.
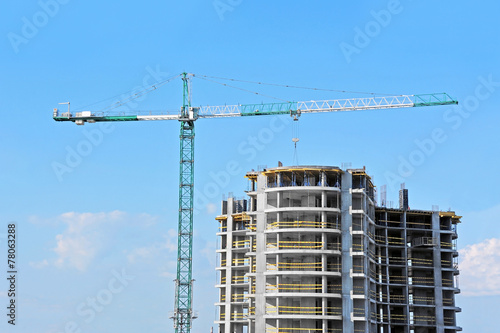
76,251
211,208
170,270
480,268
78,222
83,237
39,264
209,252
162,254
155,250
88,234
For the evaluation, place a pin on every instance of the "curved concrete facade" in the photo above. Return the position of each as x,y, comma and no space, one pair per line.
309,251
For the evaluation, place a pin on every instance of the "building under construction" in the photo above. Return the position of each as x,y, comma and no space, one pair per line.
310,251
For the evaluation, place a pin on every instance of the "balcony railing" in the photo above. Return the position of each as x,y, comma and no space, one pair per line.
310,245
303,224
304,310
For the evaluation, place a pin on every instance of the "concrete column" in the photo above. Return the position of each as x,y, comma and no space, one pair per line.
406,256
366,267
229,260
347,281
438,282
260,282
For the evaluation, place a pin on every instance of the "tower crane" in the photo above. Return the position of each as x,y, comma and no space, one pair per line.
183,307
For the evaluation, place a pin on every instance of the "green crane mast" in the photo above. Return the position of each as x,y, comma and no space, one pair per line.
183,308
183,311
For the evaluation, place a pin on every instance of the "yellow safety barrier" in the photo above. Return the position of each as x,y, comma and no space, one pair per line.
419,225
239,297
239,279
424,280
334,267
445,262
239,315
302,224
398,316
358,290
295,245
294,287
421,261
448,282
379,239
357,269
448,301
446,245
377,276
397,261
358,312
241,243
357,247
389,221
295,266
241,261
426,319
334,288
306,330
378,317
397,279
306,310
382,318
423,300
449,321
401,299
379,297
398,299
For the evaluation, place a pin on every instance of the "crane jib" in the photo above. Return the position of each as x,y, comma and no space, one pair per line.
266,109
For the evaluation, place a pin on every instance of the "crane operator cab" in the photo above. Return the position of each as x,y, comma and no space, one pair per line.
191,114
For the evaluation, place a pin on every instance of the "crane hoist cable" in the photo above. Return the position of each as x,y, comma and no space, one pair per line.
295,139
295,87
129,95
242,89
138,94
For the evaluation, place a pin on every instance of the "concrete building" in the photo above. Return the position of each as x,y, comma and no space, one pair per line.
310,251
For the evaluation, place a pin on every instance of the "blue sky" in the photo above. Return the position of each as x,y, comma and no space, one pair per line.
106,229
